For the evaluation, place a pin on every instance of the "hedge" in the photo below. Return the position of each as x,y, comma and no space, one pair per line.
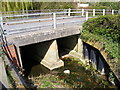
105,29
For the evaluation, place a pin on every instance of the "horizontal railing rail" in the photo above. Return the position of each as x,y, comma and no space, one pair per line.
49,26
51,16
51,10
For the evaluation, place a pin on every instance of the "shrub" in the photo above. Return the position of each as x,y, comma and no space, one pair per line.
105,29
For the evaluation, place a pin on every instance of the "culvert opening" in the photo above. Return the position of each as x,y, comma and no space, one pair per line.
66,44
32,55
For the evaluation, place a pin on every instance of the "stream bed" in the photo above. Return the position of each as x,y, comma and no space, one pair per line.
73,75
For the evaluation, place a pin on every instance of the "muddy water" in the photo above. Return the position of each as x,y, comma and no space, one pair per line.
78,77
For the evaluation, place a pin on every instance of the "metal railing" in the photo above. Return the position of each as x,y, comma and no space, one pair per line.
51,16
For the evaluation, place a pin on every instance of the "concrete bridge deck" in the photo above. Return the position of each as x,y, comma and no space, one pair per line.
33,32
36,36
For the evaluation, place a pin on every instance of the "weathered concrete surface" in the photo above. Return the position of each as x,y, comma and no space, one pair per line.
78,50
3,76
111,62
51,59
42,35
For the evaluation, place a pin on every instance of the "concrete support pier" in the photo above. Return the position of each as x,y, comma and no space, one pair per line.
80,46
51,59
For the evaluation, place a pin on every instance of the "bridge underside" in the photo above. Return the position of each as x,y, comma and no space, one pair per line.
47,53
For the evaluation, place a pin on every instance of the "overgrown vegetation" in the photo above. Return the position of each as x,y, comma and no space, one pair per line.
23,5
18,6
105,29
79,77
105,5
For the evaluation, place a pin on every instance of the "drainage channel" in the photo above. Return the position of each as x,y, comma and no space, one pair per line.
74,74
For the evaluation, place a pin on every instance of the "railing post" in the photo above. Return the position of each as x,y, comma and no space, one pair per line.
2,26
1,22
112,12
87,15
119,11
82,12
54,20
93,12
103,12
69,10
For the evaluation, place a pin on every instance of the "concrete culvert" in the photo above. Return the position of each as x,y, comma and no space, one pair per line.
45,53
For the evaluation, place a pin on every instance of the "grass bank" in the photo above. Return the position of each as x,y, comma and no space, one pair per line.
106,31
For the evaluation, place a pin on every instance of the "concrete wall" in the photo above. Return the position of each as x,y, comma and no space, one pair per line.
99,63
94,56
